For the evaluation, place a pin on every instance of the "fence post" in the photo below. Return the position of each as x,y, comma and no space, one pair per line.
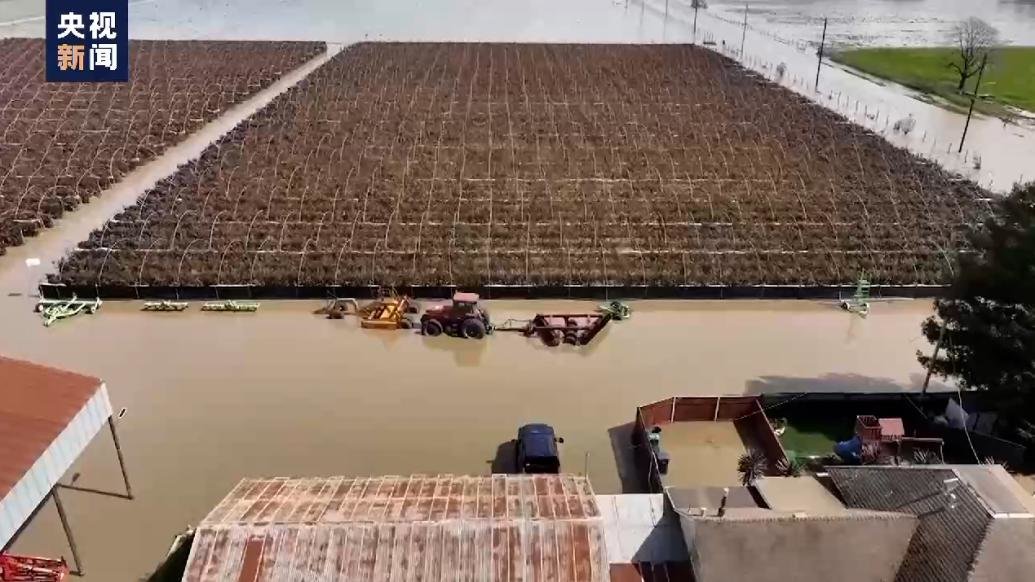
697,4
743,35
822,43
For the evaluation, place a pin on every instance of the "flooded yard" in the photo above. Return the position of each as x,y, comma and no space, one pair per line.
703,453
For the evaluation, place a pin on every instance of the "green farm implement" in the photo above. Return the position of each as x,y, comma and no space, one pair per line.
165,305
231,305
859,302
58,309
616,309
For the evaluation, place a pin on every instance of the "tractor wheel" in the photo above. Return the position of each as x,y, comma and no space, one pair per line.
432,328
473,328
551,338
406,323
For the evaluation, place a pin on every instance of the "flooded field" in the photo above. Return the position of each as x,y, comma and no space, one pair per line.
212,398
881,22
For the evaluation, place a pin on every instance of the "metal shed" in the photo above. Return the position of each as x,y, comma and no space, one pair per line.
47,418
499,527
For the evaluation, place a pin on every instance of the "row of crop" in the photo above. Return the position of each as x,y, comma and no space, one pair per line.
525,165
232,267
62,144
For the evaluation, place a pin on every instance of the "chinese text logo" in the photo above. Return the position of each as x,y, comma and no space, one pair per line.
87,40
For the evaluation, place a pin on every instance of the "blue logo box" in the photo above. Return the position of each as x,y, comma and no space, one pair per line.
87,41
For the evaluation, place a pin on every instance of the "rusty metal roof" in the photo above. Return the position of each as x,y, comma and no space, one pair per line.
499,527
36,404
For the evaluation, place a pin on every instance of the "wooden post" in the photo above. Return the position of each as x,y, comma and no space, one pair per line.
743,35
822,44
68,530
122,461
973,98
697,5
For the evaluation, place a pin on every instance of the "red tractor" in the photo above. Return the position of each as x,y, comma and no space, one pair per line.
463,318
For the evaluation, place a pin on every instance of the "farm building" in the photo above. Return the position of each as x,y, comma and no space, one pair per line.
499,527
437,528
47,418
856,523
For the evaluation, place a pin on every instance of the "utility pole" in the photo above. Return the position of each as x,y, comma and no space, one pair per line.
697,5
743,35
666,10
973,98
822,44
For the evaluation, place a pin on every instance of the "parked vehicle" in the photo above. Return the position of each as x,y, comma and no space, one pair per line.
462,318
536,450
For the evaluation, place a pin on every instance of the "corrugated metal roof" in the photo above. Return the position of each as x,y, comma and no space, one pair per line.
950,529
500,527
36,404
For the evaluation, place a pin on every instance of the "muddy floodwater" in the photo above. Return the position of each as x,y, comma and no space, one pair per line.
882,22
213,397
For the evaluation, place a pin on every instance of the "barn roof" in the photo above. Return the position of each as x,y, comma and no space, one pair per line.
47,416
500,527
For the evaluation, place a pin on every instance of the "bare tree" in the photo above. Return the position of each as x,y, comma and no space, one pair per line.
973,38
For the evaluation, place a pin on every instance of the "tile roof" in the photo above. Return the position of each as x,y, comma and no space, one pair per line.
950,531
500,527
36,404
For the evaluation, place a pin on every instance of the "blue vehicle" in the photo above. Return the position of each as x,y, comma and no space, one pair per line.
536,449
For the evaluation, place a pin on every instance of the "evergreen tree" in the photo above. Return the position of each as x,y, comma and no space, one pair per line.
986,322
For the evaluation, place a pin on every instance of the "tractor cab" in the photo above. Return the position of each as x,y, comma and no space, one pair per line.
465,302
463,317
537,449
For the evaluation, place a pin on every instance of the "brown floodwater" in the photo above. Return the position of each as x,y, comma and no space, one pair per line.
213,397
